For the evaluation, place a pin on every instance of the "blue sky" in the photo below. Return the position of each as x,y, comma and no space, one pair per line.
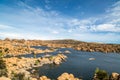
85,20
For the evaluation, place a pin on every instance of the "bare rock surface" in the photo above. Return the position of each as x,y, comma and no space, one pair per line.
21,65
44,78
4,78
67,76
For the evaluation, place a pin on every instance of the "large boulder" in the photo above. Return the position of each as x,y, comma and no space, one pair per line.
34,79
59,58
66,76
67,51
44,78
115,76
4,78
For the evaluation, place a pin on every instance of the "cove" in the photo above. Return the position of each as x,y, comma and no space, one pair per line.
78,63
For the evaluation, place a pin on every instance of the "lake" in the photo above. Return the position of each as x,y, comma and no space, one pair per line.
79,64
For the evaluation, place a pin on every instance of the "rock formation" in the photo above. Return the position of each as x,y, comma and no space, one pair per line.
4,78
20,66
115,76
66,76
15,46
44,78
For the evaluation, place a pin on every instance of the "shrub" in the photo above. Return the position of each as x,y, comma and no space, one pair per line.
19,76
1,55
3,69
37,62
101,74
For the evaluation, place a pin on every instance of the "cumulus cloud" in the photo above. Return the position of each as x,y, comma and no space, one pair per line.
107,28
108,22
36,23
111,19
14,35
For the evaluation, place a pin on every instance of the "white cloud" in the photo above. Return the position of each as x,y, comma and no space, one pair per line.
10,35
107,27
5,27
108,22
45,24
55,32
114,13
77,22
15,35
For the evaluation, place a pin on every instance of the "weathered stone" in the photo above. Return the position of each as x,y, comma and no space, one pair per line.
4,78
20,65
67,51
34,79
59,58
66,76
44,78
115,76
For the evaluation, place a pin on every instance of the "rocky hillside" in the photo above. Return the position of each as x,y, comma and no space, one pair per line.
23,46
83,46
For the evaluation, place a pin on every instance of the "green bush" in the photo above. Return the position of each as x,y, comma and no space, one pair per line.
19,76
37,62
3,69
101,74
1,55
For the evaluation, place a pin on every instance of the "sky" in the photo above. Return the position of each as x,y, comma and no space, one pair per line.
84,20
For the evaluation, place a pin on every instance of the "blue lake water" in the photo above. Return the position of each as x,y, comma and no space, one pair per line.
78,63
40,47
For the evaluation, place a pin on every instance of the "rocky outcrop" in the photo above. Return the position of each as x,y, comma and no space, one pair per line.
4,78
106,48
115,76
21,65
14,48
84,46
17,47
34,79
58,59
66,76
67,51
44,78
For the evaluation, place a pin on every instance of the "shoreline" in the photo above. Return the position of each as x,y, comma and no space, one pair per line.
21,65
18,47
